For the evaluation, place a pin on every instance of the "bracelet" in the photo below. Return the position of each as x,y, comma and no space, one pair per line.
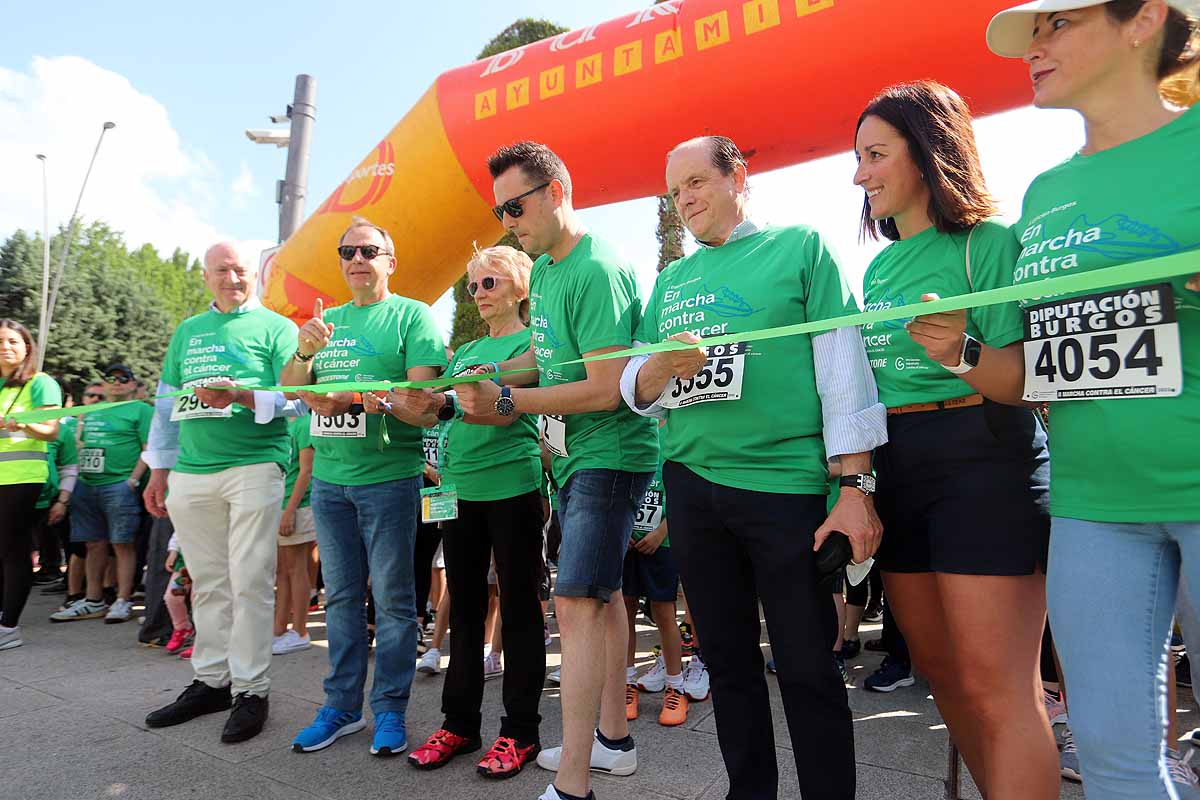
495,367
303,359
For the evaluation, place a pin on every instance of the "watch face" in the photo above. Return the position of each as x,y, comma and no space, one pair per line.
867,483
505,406
971,352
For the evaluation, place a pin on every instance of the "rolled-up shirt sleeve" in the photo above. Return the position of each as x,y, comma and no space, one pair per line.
162,447
629,388
272,405
854,419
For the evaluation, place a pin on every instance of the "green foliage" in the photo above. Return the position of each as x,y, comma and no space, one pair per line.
114,304
522,32
669,233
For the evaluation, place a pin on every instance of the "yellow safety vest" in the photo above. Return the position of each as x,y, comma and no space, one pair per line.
22,458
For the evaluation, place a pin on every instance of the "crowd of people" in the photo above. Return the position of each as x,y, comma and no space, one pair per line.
783,465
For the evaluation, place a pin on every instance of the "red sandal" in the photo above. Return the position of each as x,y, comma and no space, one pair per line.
506,758
440,748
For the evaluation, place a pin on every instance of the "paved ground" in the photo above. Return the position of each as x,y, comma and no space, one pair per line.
73,699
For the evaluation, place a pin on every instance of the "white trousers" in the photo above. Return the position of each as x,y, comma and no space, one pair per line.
226,524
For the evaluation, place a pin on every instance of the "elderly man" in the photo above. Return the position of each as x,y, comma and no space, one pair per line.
745,456
221,453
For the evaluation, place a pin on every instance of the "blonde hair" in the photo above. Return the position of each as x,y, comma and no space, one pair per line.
507,262
1182,90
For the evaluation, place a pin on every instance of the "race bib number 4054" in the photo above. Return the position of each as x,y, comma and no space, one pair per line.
720,379
1109,345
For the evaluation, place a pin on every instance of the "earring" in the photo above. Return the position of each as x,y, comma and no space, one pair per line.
1137,43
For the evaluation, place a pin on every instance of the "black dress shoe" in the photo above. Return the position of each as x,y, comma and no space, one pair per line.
197,700
247,718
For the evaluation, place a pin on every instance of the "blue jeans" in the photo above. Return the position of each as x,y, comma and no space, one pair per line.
1111,590
596,509
368,531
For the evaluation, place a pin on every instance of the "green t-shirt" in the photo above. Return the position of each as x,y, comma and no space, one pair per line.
589,301
62,452
769,440
23,458
377,342
298,439
487,462
653,510
1126,460
250,347
112,443
935,262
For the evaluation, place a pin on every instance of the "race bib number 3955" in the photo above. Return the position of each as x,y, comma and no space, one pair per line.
1109,345
720,379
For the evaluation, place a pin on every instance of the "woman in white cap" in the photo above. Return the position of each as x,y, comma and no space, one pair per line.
1125,488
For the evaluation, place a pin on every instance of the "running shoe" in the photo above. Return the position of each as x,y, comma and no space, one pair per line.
330,725
851,648
1056,709
1179,767
186,653
10,637
1068,759
180,638
771,666
492,667
688,638
631,701
506,758
57,587
120,611
46,576
656,679
892,674
675,708
695,679
555,675
840,664
440,748
391,736
552,794
547,640
290,642
619,762
874,646
430,663
81,609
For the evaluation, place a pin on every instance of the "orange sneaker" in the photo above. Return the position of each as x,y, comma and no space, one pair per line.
675,708
631,701
506,758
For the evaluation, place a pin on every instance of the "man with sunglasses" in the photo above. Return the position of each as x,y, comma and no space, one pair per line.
366,484
222,452
584,301
105,508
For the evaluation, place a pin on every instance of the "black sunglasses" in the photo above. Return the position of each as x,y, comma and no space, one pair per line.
93,395
488,282
369,251
117,379
513,207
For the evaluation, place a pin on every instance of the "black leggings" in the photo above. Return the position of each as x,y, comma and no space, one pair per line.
429,535
16,548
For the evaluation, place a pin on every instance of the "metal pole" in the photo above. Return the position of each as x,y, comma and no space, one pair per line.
302,112
66,249
45,264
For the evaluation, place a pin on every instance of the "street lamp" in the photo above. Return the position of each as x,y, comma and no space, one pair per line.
66,250
45,261
290,192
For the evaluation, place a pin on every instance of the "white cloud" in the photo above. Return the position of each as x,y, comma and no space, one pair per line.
147,181
242,190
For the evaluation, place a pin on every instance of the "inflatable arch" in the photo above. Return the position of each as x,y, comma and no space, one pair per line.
785,79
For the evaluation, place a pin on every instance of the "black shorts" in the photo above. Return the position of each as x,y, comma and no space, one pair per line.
654,577
964,491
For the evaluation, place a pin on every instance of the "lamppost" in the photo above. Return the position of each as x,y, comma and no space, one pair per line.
290,192
66,249
45,261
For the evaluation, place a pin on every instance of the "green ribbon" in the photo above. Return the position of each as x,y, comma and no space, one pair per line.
1138,272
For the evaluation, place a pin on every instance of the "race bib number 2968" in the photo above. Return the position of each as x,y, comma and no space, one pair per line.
719,379
1111,345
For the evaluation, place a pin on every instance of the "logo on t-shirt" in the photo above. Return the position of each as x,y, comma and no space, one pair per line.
1118,237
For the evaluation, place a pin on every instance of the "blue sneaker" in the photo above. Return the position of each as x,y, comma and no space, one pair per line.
329,726
390,735
771,666
891,675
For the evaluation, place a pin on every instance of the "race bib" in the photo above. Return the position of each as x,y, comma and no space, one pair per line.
439,503
188,406
554,434
720,379
343,426
1110,345
429,444
649,513
91,459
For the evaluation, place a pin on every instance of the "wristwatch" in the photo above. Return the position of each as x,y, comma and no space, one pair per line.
446,412
968,358
863,481
504,403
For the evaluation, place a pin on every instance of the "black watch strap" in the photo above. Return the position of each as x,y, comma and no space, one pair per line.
863,481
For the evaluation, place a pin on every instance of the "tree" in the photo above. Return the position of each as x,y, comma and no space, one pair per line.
670,228
467,325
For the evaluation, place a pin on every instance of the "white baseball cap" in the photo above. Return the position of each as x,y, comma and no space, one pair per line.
1010,32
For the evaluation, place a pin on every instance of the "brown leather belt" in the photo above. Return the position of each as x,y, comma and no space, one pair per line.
957,402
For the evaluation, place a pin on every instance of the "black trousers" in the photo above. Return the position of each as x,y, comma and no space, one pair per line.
425,546
512,530
51,541
16,548
735,547
157,626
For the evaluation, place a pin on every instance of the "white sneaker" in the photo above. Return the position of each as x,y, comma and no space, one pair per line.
610,762
695,679
290,642
430,663
81,609
121,611
656,679
10,637
1180,769
552,794
492,668
555,675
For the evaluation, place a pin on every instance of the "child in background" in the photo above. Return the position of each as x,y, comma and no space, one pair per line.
175,599
296,541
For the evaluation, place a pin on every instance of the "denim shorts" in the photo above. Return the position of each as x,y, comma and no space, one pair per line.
110,513
596,510
653,577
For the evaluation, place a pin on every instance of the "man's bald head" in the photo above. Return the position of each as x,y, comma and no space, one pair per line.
229,274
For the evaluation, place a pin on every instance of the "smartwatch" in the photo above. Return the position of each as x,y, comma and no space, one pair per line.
864,482
446,412
968,358
504,403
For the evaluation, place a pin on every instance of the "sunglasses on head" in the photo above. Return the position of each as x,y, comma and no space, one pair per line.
117,379
513,207
488,282
93,395
369,251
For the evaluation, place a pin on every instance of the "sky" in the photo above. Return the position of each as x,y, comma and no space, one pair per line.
183,82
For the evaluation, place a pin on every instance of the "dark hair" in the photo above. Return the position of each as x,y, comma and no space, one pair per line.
28,368
936,124
539,163
1179,51
725,154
